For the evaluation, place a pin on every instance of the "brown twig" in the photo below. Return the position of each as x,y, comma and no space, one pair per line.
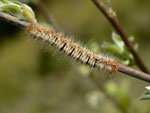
134,73
123,69
111,16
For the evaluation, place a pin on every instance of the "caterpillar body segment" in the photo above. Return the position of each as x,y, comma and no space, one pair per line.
73,49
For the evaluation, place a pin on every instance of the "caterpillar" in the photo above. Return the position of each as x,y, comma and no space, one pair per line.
72,49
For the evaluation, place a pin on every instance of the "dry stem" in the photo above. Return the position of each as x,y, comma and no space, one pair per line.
112,18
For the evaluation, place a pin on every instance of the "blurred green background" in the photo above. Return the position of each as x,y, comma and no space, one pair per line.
36,78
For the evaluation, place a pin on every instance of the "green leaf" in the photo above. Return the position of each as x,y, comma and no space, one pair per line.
28,14
128,54
16,2
11,9
118,41
4,1
17,9
112,48
120,50
145,96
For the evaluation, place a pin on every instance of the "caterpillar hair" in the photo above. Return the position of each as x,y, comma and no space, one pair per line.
73,49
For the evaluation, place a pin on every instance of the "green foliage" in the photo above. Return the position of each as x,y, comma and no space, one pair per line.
146,95
17,9
34,82
120,50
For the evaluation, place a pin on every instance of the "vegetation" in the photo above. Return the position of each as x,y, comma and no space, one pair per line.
34,78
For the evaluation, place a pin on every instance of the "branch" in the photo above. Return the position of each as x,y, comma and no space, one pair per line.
112,18
13,20
134,73
123,69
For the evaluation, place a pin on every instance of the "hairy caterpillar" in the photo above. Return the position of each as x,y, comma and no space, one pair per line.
73,49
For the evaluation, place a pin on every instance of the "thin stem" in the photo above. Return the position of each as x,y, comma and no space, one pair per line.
13,20
134,73
123,69
112,18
